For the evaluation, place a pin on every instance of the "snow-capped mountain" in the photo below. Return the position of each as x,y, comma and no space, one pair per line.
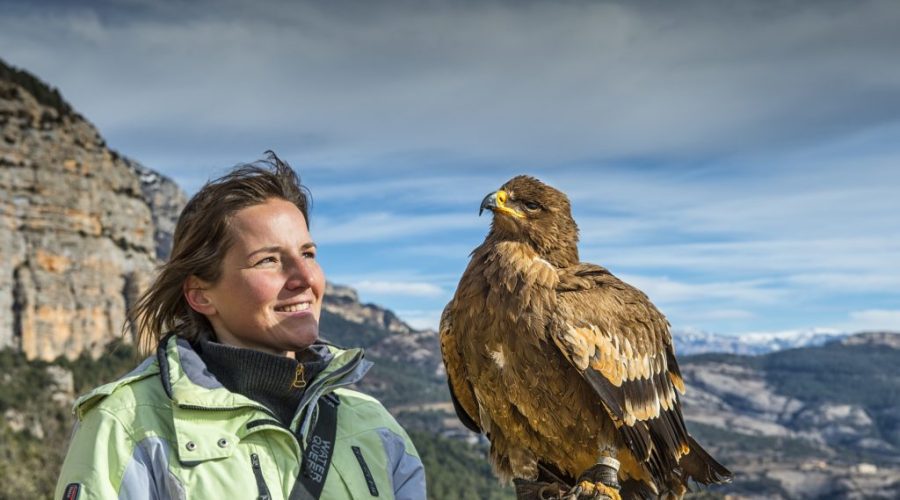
696,342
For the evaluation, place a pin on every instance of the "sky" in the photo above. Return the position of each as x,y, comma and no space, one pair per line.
737,161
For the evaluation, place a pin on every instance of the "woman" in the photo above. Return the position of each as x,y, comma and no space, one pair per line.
240,399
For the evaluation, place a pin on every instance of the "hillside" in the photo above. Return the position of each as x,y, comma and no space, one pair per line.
816,422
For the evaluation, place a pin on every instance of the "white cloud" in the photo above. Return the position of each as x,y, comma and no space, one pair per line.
721,314
531,84
397,288
421,319
420,189
874,319
448,251
852,264
382,226
668,291
888,279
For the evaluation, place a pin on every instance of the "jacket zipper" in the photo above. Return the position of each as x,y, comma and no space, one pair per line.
260,481
314,391
186,406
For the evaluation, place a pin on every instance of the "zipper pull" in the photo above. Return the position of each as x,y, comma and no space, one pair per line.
260,481
299,377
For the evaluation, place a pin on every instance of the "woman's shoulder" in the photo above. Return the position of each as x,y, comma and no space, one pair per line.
139,386
355,398
366,410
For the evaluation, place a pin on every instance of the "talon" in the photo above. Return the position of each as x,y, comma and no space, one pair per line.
580,491
605,492
588,490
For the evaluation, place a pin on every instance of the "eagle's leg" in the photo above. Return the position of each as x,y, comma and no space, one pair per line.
601,480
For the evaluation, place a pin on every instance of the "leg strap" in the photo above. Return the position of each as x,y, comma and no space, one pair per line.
605,471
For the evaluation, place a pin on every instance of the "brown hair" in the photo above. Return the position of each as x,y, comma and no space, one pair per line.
202,238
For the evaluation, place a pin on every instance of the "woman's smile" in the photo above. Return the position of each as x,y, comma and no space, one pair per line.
294,308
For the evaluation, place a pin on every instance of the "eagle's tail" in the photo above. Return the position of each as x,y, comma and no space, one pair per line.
703,468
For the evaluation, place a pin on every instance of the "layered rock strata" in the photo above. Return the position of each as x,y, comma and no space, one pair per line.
78,239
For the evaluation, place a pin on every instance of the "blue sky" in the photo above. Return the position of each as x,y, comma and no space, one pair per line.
738,161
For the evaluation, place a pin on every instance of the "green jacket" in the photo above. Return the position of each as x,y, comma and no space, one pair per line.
169,429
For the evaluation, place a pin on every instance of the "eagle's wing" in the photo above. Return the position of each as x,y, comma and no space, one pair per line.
620,343
461,392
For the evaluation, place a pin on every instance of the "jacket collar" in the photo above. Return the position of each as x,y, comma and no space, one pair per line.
187,381
194,392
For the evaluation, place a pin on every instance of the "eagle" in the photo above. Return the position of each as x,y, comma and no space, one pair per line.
569,371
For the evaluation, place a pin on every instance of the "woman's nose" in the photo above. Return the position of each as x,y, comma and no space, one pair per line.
300,273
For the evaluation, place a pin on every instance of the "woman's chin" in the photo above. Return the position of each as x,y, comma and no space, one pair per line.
303,338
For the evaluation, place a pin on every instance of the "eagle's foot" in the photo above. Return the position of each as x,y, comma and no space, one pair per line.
600,481
587,490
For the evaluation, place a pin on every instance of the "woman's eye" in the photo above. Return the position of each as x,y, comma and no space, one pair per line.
530,205
309,255
267,260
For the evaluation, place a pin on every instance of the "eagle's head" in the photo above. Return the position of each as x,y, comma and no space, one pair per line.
527,210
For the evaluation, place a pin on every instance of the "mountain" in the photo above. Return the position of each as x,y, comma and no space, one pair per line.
81,226
812,422
688,342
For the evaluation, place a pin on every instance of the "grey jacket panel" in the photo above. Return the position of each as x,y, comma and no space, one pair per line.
408,473
147,475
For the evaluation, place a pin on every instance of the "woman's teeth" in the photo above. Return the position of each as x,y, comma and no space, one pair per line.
303,306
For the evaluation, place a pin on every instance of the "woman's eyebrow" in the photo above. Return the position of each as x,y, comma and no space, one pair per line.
277,248
271,249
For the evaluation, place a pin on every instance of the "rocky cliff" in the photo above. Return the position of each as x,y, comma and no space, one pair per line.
79,237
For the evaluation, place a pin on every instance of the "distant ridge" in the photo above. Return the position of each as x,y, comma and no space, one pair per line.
688,342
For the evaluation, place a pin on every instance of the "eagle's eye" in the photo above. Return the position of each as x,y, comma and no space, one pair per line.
530,205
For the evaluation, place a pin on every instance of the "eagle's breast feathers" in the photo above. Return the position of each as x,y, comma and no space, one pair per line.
502,367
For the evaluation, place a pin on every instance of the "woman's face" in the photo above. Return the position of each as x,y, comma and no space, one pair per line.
269,295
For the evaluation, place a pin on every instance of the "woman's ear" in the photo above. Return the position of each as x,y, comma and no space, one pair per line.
195,292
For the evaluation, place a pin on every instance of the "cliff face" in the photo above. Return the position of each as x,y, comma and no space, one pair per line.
78,238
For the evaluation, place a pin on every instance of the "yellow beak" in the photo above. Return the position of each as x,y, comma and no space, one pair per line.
496,202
